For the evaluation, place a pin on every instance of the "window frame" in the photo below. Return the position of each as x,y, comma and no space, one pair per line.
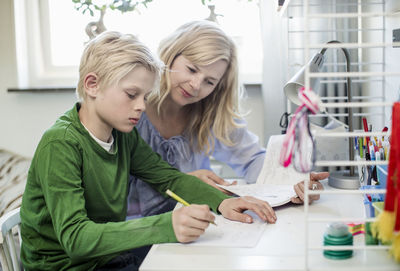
35,68
32,48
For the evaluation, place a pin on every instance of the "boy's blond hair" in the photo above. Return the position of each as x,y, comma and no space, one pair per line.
111,56
204,43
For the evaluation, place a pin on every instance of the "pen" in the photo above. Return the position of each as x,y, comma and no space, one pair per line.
181,200
365,124
385,129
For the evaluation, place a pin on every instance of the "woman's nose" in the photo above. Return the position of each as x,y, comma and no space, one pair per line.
195,82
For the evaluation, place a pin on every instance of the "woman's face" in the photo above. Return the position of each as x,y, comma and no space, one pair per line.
191,83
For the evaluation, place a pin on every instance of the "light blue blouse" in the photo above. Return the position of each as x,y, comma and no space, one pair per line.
246,158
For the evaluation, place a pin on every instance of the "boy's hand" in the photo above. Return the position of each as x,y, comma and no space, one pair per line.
233,209
190,222
211,178
314,185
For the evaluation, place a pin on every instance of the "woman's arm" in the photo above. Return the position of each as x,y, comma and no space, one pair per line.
245,157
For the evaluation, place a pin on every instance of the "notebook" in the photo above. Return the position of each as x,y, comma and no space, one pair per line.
275,182
274,194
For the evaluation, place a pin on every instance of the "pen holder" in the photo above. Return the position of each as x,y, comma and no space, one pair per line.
369,199
337,234
371,202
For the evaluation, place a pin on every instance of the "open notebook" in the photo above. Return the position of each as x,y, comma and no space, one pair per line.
275,182
274,194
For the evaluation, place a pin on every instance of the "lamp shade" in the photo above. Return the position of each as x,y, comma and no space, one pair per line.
293,86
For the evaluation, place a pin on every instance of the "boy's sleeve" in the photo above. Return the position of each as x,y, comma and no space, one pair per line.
151,168
59,173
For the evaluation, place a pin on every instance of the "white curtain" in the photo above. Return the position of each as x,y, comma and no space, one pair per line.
274,76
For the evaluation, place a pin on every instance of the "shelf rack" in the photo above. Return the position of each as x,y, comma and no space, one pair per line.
362,25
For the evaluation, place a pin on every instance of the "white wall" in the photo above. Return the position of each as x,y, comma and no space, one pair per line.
25,116
255,107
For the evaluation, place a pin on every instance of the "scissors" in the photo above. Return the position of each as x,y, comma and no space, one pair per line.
284,121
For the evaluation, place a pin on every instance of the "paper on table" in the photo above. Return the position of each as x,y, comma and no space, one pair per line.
273,172
230,233
274,194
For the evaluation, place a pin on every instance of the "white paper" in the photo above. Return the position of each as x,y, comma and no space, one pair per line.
274,184
273,172
274,194
230,233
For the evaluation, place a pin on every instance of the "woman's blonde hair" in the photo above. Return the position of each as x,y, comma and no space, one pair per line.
111,56
203,43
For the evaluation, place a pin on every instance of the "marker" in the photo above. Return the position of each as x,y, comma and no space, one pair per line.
365,124
377,156
385,129
382,153
181,200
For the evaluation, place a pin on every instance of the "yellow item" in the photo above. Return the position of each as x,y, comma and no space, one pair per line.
383,227
395,249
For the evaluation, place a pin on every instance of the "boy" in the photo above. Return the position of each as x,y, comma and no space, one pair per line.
74,206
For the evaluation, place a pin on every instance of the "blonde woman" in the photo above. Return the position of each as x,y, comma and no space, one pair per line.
196,115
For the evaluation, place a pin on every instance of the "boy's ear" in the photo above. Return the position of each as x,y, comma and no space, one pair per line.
91,84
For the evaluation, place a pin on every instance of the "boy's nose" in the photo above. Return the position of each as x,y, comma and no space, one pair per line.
140,105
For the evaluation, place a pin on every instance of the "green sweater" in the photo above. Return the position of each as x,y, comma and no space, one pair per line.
74,206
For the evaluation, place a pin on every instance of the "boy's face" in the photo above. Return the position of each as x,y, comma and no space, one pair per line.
120,106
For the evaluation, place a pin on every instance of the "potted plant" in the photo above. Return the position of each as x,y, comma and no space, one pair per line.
92,6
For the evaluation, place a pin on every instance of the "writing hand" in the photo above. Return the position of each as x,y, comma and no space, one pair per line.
189,222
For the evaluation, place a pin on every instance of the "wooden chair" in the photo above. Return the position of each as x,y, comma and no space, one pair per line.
9,244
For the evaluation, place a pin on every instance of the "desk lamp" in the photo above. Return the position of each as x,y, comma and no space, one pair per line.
345,179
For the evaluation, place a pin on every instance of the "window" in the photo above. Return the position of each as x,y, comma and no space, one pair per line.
51,34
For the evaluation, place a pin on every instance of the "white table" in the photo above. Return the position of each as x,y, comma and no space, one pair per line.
282,246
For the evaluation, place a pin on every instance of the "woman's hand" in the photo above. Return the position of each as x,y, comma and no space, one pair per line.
191,221
211,178
314,184
233,209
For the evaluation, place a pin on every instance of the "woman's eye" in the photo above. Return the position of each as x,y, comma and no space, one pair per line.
210,83
191,70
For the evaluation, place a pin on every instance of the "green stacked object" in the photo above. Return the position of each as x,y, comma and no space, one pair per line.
338,234
369,238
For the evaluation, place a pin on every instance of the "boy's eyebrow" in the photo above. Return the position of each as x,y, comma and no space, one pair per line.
134,88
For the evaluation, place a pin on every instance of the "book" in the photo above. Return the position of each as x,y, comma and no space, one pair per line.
275,182
274,194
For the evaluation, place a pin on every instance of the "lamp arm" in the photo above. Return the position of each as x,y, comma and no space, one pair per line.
349,99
